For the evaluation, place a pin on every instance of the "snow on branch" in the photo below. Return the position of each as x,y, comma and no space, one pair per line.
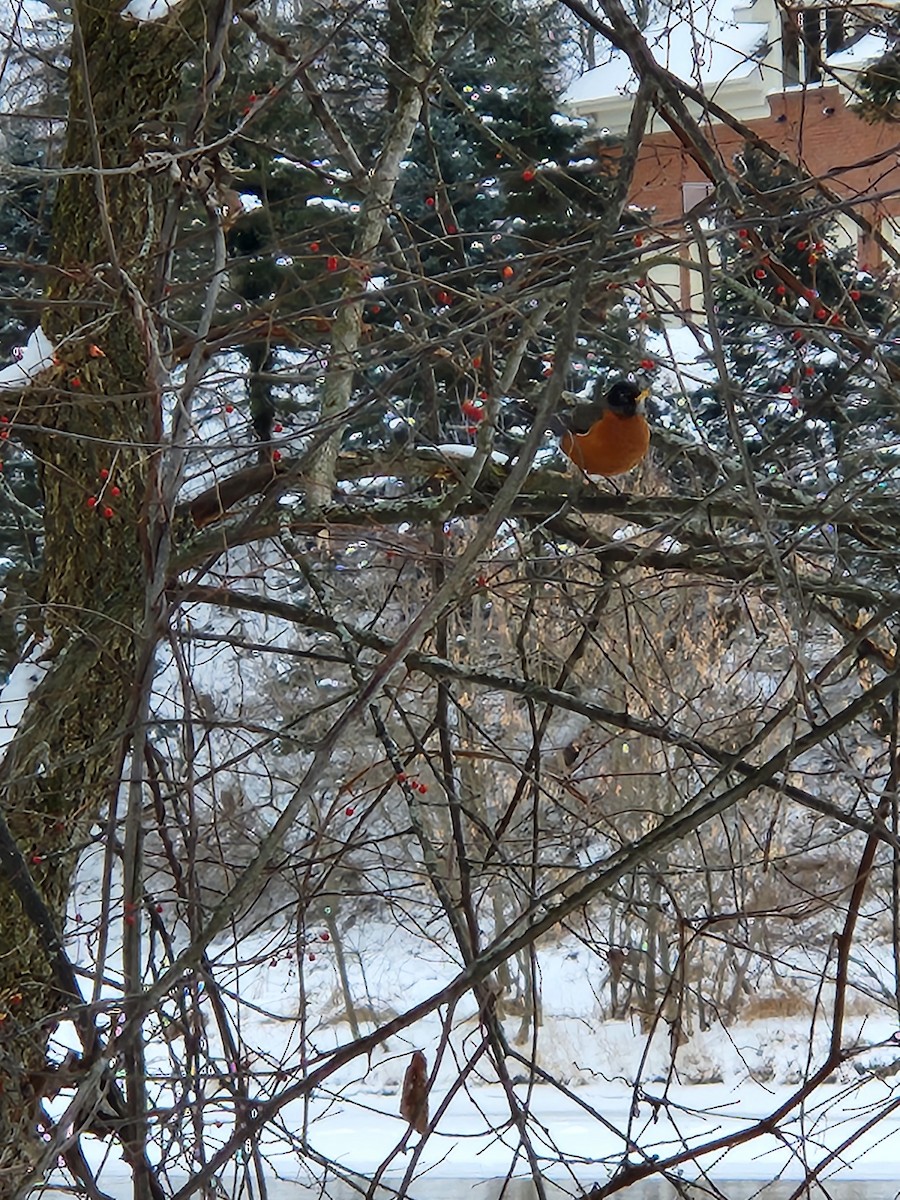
35,356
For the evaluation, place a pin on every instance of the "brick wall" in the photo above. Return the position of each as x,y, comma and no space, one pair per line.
814,127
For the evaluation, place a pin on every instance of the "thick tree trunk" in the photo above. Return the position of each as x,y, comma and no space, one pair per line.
97,410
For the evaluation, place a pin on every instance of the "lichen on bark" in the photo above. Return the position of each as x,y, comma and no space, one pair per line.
94,419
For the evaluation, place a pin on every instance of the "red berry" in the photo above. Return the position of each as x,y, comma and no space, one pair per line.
4,420
115,491
785,389
129,919
638,239
37,859
401,777
781,290
452,229
312,958
229,408
528,174
91,502
75,381
507,272
423,788
331,263
324,936
108,513
348,811
821,314
797,336
314,247
443,297
276,428
809,370
104,472
471,409
855,295
743,233
276,456
759,273
802,244
4,434
429,201
376,309
159,908
641,283
647,364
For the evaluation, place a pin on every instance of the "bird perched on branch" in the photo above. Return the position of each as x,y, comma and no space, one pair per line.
608,436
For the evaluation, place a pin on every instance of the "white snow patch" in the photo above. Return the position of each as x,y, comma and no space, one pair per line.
24,678
148,10
709,51
456,450
866,50
35,356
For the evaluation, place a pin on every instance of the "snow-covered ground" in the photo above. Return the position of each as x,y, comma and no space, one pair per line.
578,1130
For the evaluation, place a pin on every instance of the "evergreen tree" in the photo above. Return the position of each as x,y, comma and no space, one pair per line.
493,202
497,194
795,311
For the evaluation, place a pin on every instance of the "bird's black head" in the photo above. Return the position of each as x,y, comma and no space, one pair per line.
623,397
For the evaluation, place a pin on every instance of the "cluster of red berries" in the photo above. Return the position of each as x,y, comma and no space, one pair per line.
332,262
94,502
415,784
324,936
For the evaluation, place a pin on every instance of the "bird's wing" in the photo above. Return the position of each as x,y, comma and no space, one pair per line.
578,419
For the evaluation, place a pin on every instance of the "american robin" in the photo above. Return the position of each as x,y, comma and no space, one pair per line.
608,436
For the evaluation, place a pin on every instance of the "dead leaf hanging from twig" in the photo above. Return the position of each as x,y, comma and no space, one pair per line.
414,1098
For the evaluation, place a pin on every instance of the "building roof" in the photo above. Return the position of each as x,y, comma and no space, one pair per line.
713,45
702,43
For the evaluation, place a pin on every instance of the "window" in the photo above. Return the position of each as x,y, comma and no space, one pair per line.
810,33
693,194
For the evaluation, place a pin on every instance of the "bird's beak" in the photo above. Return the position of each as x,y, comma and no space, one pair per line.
643,396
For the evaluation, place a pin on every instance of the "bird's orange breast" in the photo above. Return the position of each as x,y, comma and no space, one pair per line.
612,445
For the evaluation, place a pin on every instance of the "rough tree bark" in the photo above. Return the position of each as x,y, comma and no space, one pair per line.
98,409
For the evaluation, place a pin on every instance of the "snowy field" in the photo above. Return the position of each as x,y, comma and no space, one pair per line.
351,1126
